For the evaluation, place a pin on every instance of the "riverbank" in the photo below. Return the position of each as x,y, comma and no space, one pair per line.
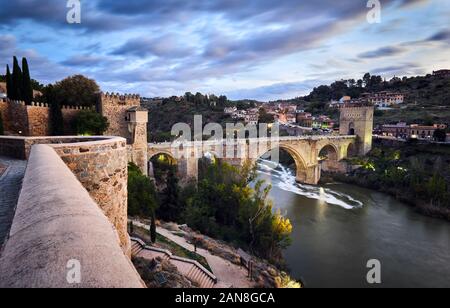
224,260
401,195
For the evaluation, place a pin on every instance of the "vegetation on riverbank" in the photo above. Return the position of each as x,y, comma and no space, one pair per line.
221,205
164,243
415,174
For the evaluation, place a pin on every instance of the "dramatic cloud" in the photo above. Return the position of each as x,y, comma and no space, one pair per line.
260,49
382,52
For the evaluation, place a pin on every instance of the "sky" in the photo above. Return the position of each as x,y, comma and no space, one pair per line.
245,49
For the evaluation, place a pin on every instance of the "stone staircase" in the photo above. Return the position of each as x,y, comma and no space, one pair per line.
191,269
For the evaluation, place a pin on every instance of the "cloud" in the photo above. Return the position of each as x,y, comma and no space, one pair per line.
382,52
162,46
400,69
82,61
166,46
441,36
275,91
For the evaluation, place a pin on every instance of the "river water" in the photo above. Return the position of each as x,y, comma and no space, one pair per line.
339,227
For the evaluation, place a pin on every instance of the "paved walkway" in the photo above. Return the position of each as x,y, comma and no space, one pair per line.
227,273
10,185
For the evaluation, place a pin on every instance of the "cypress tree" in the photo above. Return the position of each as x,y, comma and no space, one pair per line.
56,117
16,81
27,89
153,228
8,82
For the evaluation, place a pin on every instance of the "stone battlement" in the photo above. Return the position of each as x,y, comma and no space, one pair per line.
43,105
113,95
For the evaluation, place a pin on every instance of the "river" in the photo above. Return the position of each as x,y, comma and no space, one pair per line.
339,227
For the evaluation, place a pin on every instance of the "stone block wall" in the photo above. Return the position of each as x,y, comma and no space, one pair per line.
38,120
101,167
99,163
114,107
33,120
56,220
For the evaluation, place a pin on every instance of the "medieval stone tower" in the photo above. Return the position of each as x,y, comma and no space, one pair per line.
358,120
128,120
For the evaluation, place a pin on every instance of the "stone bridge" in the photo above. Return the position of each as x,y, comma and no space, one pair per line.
311,154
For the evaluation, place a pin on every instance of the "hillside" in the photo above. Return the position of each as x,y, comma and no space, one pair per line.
165,114
427,98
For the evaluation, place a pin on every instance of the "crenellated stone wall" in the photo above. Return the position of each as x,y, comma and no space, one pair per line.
115,107
33,120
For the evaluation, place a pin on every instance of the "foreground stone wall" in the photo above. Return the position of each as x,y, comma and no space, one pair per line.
101,167
99,163
56,221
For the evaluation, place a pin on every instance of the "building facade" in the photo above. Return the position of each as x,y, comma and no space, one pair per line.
413,131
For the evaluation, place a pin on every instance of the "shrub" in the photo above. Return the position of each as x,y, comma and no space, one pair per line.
89,122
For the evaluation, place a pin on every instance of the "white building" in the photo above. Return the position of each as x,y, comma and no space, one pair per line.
230,110
385,99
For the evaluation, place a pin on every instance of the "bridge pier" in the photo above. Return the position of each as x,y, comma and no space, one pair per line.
188,170
309,176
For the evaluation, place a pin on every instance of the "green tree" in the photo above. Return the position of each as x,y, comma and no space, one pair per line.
264,117
9,84
170,209
16,83
27,89
77,91
56,117
153,228
225,206
89,122
142,196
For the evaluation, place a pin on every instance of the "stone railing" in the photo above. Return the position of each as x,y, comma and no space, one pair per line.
99,163
59,236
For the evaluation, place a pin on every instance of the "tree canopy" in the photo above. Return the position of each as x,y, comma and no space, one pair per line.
76,91
88,122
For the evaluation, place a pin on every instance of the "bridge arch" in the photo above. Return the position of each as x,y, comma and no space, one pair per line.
352,150
158,159
300,163
329,157
329,152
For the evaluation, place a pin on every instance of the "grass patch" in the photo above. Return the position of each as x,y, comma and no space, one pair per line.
164,243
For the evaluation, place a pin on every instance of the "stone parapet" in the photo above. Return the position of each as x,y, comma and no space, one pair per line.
99,163
57,228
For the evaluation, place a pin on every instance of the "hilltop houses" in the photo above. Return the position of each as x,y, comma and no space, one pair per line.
414,131
380,100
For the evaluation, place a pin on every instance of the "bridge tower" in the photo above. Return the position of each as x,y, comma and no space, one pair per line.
127,120
358,121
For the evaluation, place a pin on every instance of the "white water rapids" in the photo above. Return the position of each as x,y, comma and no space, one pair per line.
284,179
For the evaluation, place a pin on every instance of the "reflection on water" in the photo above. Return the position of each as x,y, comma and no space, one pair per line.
338,228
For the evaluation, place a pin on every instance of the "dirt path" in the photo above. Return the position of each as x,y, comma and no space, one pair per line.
227,273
